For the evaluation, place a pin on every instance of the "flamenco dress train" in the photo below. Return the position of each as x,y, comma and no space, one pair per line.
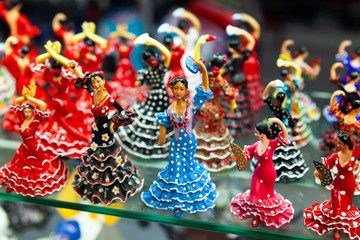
184,184
33,172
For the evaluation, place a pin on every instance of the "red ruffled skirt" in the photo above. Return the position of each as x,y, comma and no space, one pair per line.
274,212
321,218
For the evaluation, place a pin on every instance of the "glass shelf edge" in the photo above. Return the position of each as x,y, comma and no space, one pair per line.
150,217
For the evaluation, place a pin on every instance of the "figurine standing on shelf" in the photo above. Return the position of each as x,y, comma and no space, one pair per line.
32,172
123,83
338,214
251,65
347,103
351,62
68,131
177,53
308,109
105,175
184,185
213,136
240,122
301,133
261,202
288,160
140,139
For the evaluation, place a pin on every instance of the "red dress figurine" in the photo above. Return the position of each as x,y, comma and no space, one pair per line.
32,172
212,135
68,131
338,214
261,202
123,83
252,65
19,64
20,26
177,53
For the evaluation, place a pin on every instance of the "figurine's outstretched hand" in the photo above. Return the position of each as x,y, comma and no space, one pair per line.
161,140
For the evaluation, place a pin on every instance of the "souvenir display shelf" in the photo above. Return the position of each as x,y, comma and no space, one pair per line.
301,193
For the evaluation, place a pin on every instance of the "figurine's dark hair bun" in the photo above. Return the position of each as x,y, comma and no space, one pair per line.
263,128
183,24
24,51
234,42
217,60
179,79
354,74
147,53
168,40
28,106
346,139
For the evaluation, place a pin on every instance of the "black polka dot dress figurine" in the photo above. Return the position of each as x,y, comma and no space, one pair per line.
140,139
105,175
288,160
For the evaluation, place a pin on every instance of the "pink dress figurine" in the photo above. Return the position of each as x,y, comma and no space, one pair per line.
338,214
32,172
261,202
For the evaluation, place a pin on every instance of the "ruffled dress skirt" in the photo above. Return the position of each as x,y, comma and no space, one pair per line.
192,192
321,219
273,211
106,176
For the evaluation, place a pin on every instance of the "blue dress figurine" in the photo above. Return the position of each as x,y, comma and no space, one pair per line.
184,185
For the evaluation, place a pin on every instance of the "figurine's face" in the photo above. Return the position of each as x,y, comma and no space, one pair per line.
28,113
258,135
98,83
340,146
179,90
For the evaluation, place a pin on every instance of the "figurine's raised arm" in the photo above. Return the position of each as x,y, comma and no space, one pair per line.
205,77
281,124
333,97
253,23
149,41
12,40
181,12
246,35
270,85
344,44
295,66
333,75
285,45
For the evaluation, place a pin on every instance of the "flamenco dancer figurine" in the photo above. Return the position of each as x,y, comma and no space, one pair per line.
32,172
261,202
92,48
19,25
301,133
105,175
177,53
240,122
288,160
68,131
338,214
184,185
140,138
309,111
212,134
351,62
251,65
123,83
348,103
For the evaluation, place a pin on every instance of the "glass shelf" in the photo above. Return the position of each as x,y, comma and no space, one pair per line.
301,193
